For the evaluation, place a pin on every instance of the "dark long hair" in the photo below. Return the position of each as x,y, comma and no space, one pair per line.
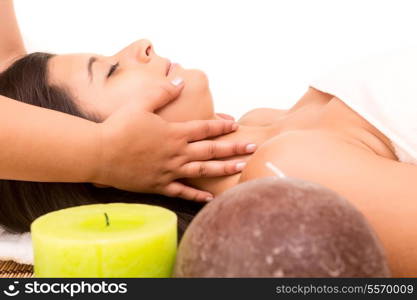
21,202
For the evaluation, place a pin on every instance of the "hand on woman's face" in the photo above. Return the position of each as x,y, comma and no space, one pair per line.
100,84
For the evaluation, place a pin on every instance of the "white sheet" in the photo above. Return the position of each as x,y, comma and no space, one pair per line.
16,247
383,90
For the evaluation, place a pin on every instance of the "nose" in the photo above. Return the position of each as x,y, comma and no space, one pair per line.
140,51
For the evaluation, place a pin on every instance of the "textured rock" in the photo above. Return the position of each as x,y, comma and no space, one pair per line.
273,227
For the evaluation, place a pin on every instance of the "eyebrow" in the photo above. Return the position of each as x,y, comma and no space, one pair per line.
90,67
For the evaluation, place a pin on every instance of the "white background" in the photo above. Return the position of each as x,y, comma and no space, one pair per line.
256,53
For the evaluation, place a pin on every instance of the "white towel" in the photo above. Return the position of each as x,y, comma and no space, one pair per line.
383,90
16,247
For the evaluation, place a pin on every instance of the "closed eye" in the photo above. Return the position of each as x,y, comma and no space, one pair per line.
112,69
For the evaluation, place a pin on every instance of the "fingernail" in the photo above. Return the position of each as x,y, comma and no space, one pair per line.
235,126
209,198
250,148
239,166
177,81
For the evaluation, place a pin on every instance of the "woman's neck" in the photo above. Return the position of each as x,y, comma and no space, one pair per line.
257,127
250,134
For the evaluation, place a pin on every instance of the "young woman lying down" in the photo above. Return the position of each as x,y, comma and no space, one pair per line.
321,138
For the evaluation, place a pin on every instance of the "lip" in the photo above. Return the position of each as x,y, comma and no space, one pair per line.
172,66
168,67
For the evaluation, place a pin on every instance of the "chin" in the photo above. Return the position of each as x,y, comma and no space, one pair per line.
196,79
195,101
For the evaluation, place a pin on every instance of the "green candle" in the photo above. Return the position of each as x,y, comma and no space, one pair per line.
105,240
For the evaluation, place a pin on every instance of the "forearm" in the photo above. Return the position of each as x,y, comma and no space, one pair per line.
11,43
43,145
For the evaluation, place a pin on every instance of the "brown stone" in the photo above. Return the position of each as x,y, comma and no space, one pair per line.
273,227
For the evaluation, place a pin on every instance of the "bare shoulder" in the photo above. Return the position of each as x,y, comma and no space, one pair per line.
382,189
307,154
267,116
261,116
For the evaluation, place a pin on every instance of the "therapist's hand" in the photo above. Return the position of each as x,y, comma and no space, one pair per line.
141,152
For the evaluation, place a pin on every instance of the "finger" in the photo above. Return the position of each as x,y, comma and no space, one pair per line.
201,129
212,168
205,150
177,189
167,92
225,116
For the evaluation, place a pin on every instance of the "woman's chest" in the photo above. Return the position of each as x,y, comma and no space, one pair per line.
332,117
319,111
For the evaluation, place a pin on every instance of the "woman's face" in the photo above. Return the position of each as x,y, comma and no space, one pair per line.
101,84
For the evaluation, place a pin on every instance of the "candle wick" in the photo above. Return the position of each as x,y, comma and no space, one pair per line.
107,219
